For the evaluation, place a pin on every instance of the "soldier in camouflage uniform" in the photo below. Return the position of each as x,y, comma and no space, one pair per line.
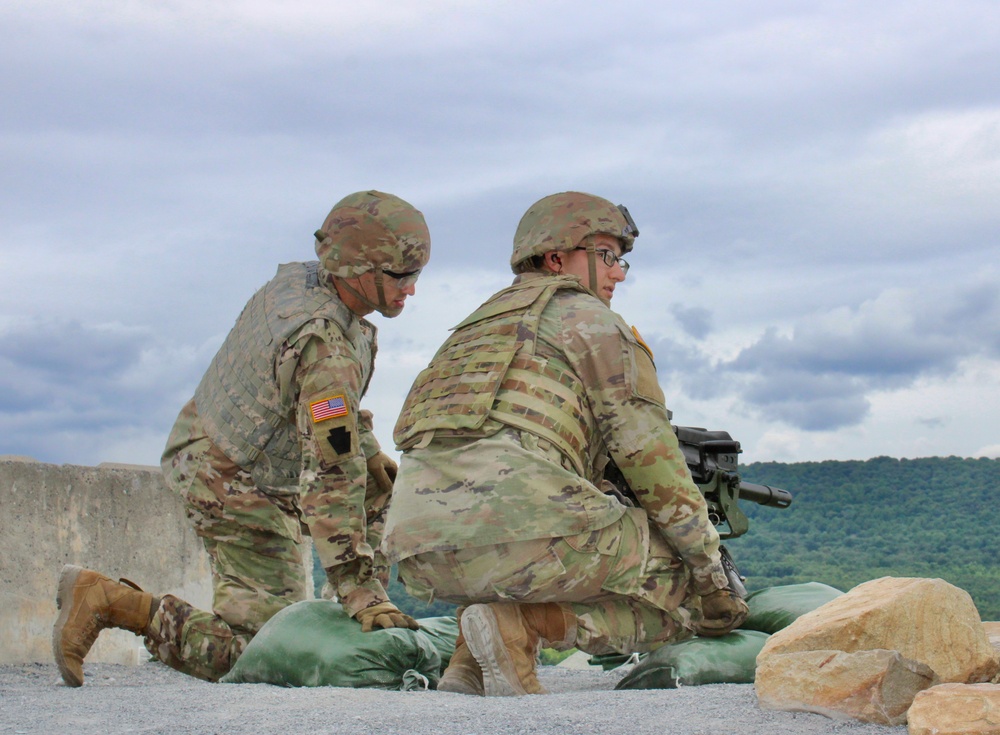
273,446
500,504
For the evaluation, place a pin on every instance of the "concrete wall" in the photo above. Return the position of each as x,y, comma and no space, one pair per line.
118,519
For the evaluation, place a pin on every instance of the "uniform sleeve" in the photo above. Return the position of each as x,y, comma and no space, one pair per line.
328,380
369,444
628,405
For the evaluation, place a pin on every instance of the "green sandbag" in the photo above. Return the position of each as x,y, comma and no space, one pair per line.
728,659
442,632
609,661
314,643
774,608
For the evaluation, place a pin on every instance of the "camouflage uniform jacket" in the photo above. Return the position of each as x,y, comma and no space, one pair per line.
296,366
472,477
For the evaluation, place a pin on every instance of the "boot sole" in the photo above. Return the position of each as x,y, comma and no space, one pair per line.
64,602
459,687
482,636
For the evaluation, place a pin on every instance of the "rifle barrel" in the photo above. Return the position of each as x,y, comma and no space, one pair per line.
774,497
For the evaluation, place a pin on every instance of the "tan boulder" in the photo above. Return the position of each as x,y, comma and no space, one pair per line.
871,686
956,709
926,620
993,633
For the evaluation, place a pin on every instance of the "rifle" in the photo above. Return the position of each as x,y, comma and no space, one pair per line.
713,459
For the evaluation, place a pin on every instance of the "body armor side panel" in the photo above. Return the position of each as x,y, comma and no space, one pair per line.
238,397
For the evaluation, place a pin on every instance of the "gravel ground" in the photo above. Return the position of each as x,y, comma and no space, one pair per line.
151,698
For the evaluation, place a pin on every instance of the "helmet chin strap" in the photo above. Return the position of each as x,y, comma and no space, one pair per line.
592,264
381,307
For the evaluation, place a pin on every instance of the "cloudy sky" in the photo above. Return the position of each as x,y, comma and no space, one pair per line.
817,185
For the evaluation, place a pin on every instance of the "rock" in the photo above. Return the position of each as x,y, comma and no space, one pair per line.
871,686
956,709
926,620
993,633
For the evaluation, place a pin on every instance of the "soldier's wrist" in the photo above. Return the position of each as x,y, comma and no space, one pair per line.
362,597
709,579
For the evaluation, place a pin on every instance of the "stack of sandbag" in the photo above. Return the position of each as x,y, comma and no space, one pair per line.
728,659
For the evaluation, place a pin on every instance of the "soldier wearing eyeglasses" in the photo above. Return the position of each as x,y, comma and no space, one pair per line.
500,505
272,446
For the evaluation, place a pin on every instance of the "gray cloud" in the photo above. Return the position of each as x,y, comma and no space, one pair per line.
60,379
813,402
820,375
57,349
696,321
788,165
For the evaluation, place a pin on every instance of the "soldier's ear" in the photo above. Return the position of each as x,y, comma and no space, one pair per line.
552,261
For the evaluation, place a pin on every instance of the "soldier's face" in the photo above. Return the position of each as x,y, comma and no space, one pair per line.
395,295
575,263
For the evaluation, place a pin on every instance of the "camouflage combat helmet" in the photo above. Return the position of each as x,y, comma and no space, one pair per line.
562,222
372,230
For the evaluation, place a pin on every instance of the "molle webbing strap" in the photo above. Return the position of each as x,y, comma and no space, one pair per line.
538,396
456,392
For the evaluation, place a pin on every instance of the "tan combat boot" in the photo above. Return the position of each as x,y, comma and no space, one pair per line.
463,675
505,637
88,603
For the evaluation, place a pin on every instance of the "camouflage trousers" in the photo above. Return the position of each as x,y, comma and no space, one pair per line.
628,588
256,547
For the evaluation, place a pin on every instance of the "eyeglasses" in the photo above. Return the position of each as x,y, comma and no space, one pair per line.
404,279
609,258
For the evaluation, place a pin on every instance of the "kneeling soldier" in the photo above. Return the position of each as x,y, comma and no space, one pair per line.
500,504
273,445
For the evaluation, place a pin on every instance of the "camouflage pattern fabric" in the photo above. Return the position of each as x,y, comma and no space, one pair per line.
457,494
563,221
476,383
372,229
470,494
254,536
628,589
242,404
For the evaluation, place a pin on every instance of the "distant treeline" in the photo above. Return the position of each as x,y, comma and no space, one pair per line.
854,521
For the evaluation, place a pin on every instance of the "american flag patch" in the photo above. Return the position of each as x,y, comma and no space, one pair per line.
328,408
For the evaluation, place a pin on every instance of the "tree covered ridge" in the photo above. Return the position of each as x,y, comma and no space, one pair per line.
852,521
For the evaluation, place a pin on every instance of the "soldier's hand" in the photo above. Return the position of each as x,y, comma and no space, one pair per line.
382,468
384,615
722,611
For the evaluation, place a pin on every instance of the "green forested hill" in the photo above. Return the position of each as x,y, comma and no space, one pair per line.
854,521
